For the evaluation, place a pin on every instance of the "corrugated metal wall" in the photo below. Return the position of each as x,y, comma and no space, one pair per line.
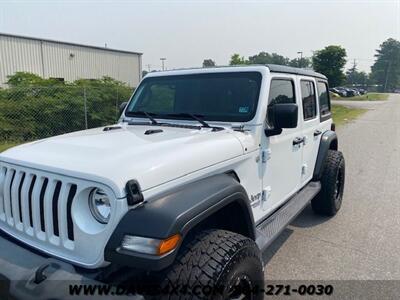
71,62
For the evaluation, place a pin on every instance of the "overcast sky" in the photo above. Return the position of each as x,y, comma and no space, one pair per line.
186,32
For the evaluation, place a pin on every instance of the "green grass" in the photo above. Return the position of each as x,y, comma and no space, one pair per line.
366,97
5,146
343,114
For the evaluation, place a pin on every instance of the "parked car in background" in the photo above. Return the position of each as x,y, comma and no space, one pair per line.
349,92
355,92
362,91
341,92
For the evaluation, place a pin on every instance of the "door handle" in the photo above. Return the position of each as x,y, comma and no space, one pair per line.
317,132
297,141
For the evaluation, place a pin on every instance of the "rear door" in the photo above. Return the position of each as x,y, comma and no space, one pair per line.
310,126
316,119
324,104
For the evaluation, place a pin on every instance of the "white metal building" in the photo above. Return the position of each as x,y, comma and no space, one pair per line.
66,61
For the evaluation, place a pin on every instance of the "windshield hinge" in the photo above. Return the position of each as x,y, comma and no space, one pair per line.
265,155
239,128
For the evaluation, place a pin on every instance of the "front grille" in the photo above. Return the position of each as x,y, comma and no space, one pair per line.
49,211
37,205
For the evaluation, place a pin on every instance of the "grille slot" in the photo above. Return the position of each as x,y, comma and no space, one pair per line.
3,172
55,205
71,195
7,195
42,191
30,199
37,205
20,197
11,193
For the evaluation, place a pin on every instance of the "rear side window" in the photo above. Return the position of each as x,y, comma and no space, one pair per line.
309,99
281,91
323,95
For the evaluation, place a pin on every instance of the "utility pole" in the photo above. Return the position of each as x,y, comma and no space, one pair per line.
301,58
353,71
148,67
163,59
387,75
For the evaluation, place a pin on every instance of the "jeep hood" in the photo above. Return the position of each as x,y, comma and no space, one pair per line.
119,155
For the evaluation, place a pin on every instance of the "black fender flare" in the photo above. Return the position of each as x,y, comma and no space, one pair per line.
177,211
329,141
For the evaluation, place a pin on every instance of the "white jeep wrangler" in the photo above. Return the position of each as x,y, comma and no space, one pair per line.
204,169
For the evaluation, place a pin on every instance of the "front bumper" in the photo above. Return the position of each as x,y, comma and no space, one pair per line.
26,274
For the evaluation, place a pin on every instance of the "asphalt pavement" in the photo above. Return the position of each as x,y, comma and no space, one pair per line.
362,242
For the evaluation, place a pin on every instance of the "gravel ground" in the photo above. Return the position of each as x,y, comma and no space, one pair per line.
362,242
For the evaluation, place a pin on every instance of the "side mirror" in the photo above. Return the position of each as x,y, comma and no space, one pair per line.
122,107
281,116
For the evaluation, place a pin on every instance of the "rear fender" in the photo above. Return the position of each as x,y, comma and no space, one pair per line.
329,141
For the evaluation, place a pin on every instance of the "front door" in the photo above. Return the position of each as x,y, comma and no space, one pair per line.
282,153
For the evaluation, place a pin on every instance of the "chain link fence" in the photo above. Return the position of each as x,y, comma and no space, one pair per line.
32,113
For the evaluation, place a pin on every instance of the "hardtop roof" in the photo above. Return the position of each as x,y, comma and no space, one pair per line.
272,68
292,70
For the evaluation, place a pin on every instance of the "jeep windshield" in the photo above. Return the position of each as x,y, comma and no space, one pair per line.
226,97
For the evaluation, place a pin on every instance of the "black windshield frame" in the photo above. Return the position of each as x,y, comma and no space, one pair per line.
254,88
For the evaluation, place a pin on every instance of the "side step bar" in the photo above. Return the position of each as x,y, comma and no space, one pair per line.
271,227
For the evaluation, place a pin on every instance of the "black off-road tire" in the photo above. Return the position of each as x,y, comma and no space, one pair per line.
212,264
329,199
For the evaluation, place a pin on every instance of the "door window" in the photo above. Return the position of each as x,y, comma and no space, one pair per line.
323,95
309,99
281,91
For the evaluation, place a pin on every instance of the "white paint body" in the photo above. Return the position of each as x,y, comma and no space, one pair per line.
159,162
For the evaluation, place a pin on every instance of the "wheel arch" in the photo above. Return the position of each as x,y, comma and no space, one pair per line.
218,200
329,141
232,217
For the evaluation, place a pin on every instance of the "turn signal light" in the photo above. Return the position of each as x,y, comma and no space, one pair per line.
168,244
149,245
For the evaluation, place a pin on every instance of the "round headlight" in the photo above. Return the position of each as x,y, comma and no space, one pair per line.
99,205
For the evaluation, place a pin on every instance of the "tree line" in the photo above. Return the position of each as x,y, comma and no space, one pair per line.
331,61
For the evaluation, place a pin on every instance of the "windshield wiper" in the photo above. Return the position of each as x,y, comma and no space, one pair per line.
146,114
198,118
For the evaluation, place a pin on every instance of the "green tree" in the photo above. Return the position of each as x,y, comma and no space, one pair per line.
208,63
263,58
25,79
330,61
279,59
236,59
355,77
303,62
386,69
